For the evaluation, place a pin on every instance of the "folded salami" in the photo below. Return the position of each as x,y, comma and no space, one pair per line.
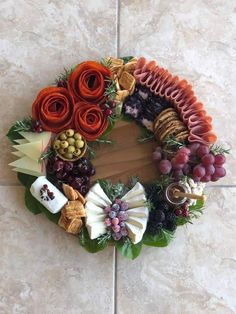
48,195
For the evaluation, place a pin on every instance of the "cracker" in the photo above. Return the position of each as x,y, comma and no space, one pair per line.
127,81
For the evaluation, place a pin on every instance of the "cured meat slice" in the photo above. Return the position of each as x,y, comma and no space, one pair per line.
162,83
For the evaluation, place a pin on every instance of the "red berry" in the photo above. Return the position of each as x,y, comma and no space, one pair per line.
185,206
178,212
185,213
108,112
45,186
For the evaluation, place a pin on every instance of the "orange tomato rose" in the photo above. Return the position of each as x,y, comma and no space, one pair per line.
89,120
54,109
87,82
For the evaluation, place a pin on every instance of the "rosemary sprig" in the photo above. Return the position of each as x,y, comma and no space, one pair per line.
103,141
163,182
146,136
106,62
173,143
64,75
110,90
217,149
91,152
46,154
23,125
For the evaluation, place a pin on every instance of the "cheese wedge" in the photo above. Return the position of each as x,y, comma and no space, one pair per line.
136,201
138,212
92,208
21,141
135,234
31,173
32,150
96,229
95,218
135,191
100,193
28,164
94,198
43,137
138,222
18,154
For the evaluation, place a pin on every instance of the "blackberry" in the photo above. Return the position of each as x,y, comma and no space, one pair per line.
154,228
163,205
170,221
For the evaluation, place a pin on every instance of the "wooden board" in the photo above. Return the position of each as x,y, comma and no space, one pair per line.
126,157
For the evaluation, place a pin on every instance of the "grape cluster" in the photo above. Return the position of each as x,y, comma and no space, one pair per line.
116,215
195,160
161,217
77,174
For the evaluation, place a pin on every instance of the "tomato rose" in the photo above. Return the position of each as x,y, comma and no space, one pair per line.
54,109
87,82
89,120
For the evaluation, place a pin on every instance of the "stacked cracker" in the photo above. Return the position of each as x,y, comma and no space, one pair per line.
167,124
73,211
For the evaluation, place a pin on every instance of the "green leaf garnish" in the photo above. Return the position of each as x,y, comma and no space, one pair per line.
128,249
113,191
172,143
194,212
217,149
110,90
126,59
26,179
146,136
162,239
92,246
20,126
63,77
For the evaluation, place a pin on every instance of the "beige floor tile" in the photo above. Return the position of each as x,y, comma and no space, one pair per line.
196,40
44,270
38,39
195,274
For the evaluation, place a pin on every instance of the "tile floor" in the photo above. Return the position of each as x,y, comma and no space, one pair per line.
43,270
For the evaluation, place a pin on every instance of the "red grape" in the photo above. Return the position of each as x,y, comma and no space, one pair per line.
156,156
176,165
181,158
214,178
193,148
184,150
208,159
186,169
199,171
165,166
220,172
178,174
202,150
210,170
206,178
219,159
196,179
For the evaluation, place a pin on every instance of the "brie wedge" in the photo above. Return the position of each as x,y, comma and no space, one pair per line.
96,229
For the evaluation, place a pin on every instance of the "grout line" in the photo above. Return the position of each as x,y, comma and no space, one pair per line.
115,250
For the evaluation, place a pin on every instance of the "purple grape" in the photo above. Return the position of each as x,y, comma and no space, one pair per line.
107,209
116,228
124,232
108,222
122,215
84,189
61,175
116,207
58,165
112,214
85,179
124,206
122,224
68,166
116,236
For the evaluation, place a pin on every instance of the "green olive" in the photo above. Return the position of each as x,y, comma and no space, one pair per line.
79,143
64,144
77,152
63,136
71,149
68,156
77,136
57,144
61,151
71,141
70,132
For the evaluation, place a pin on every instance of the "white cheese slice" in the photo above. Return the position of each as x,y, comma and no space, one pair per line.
32,150
55,205
94,198
21,141
138,222
18,154
28,164
138,212
95,218
96,229
99,191
137,201
44,137
135,234
136,190
31,173
92,208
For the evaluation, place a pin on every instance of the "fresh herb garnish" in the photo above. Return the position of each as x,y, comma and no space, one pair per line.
217,149
146,136
23,125
63,77
113,191
106,62
171,142
46,154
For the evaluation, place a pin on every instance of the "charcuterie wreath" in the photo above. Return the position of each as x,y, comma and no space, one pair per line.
73,120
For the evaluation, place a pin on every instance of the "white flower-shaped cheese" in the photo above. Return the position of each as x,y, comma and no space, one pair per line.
136,223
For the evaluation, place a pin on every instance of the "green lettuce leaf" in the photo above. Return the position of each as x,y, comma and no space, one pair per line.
92,246
162,239
128,249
